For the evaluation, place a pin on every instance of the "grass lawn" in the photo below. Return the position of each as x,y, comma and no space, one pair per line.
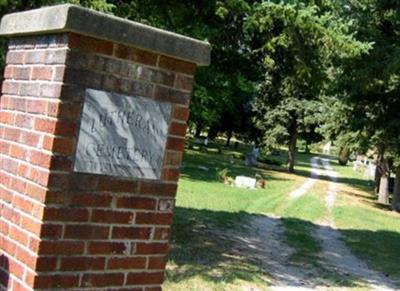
371,230
201,258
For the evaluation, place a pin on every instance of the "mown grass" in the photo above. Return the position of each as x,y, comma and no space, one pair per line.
201,257
371,230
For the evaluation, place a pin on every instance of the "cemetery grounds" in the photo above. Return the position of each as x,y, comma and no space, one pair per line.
277,238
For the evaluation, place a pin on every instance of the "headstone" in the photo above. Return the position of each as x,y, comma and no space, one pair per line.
245,182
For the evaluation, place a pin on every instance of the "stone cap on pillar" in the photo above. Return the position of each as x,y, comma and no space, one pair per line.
72,18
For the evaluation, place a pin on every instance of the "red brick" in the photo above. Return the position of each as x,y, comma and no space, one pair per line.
34,244
5,195
83,182
162,233
29,278
127,263
56,198
34,57
18,185
26,257
151,248
161,189
109,216
103,280
82,263
59,145
170,174
86,232
8,246
91,200
59,181
107,248
36,106
30,138
40,159
9,165
157,262
61,163
61,248
30,225
131,232
46,264
17,235
145,278
35,192
59,74
171,95
12,134
56,281
178,129
184,83
177,65
90,44
65,214
15,267
23,120
30,89
51,231
153,218
9,87
173,158
45,125
64,110
136,203
42,73
22,73
15,57
176,144
18,152
107,184
23,204
8,72
7,118
50,90
136,55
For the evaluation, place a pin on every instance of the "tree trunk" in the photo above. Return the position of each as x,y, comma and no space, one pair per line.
292,146
343,157
379,167
396,192
228,140
212,133
383,194
307,150
198,131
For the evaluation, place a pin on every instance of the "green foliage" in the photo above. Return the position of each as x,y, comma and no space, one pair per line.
297,44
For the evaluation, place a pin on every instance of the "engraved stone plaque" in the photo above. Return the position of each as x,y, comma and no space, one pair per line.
122,135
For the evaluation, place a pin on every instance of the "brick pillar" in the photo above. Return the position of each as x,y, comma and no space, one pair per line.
61,228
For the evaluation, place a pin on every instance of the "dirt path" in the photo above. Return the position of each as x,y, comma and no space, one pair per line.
309,183
265,242
336,253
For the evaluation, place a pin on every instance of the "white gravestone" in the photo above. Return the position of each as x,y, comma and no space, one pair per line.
122,135
245,182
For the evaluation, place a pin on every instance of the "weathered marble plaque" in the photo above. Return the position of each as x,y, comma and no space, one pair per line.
122,135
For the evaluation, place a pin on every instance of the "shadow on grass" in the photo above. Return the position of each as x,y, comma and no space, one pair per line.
220,247
204,166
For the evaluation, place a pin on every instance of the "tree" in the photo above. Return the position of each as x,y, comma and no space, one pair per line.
370,83
297,45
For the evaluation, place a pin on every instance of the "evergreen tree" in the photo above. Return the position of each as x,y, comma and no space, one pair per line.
297,43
